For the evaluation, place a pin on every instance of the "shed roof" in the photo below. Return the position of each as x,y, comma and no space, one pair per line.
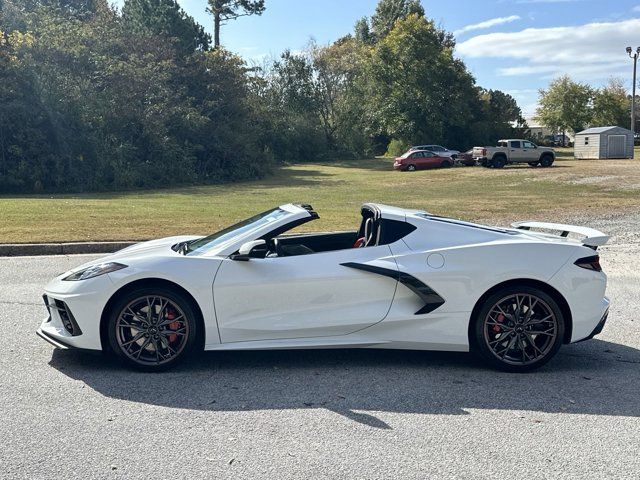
596,130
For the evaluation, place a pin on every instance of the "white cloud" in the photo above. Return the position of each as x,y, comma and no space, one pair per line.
591,52
487,24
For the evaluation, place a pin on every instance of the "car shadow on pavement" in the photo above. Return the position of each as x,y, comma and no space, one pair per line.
595,377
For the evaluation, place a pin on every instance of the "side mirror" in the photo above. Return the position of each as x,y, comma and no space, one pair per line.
244,253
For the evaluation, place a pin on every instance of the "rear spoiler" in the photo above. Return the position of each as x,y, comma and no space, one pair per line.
592,237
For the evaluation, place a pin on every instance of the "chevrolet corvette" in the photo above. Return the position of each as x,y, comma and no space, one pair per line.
404,279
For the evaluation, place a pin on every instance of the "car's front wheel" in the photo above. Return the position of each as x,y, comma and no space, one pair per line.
152,328
518,329
411,168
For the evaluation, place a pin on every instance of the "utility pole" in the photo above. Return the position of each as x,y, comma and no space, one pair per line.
634,56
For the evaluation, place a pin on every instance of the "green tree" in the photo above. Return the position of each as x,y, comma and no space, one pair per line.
167,18
565,105
497,116
83,107
225,10
390,11
362,31
611,105
416,90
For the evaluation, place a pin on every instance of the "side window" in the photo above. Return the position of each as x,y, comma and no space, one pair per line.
528,145
429,154
393,230
417,155
514,144
586,140
438,148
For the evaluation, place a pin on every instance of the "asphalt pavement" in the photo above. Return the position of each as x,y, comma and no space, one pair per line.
328,413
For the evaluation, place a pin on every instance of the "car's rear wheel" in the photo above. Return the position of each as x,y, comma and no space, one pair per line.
498,162
446,164
153,328
411,168
518,329
546,161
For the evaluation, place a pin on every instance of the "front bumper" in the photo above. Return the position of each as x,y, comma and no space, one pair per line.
397,166
74,311
52,340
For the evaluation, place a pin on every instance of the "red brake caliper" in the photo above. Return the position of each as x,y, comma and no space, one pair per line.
500,319
171,314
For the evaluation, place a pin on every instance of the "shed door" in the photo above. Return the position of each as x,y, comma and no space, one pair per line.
617,144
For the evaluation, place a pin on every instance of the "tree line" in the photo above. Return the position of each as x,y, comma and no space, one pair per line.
93,98
570,106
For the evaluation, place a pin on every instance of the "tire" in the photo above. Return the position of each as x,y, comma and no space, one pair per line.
148,342
546,161
498,162
499,319
446,164
533,164
411,168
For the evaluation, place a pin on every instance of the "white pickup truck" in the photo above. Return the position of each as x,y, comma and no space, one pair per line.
514,151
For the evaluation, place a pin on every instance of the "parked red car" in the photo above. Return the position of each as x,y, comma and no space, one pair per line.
420,160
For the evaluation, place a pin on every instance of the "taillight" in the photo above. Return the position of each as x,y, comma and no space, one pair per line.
590,263
484,152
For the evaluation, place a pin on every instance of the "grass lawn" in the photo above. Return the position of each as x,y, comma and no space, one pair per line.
336,190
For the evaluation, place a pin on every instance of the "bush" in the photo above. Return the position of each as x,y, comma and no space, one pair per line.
396,148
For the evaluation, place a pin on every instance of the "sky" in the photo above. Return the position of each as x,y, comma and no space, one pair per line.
516,46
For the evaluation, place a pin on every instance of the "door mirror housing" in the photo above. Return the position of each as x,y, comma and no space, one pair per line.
245,251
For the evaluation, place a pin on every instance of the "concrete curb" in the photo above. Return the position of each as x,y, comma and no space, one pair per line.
29,249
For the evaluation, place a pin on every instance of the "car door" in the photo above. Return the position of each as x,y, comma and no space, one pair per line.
432,160
416,159
516,153
529,153
312,295
439,150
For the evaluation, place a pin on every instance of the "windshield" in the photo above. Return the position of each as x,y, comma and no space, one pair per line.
406,154
207,243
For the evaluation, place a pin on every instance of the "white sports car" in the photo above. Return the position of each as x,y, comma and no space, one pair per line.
404,279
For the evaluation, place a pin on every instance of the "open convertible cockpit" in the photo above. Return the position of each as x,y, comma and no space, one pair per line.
373,231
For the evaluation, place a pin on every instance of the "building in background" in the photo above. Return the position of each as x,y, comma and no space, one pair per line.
603,142
542,135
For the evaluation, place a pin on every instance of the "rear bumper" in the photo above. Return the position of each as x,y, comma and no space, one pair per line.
599,326
592,326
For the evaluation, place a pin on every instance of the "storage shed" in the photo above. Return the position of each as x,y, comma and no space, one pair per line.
603,142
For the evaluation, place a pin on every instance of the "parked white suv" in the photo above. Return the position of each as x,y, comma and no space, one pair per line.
438,149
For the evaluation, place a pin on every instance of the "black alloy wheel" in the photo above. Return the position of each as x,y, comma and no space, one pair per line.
152,329
519,329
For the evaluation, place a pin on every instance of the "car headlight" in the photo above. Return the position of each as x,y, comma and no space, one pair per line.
95,271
